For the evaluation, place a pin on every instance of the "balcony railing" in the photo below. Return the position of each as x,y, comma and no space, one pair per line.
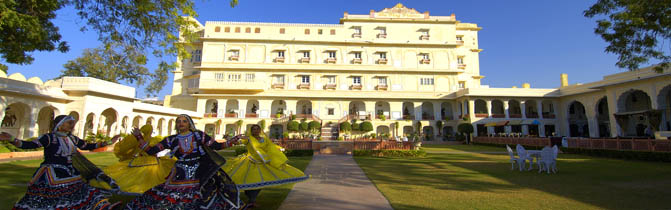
276,116
330,60
408,117
231,115
461,66
356,35
210,115
381,87
251,115
356,61
304,86
427,117
234,58
515,115
279,60
278,86
329,86
424,37
356,87
548,116
381,36
483,115
460,42
498,115
534,115
425,61
382,61
304,60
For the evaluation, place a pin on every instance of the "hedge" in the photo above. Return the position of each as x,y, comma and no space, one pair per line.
390,153
628,155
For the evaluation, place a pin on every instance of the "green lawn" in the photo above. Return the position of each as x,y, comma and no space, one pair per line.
15,175
485,181
461,148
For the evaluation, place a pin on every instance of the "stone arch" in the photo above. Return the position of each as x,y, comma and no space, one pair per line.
633,100
124,125
664,104
45,119
16,120
357,108
304,107
497,108
278,107
427,111
88,124
232,108
159,127
75,115
382,130
171,126
408,111
480,106
107,121
137,121
446,111
514,109
531,109
252,109
150,121
382,108
577,120
602,117
211,106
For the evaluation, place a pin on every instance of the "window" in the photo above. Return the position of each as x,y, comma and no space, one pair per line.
356,80
462,84
332,31
217,29
307,31
235,53
331,111
281,30
460,60
383,31
227,29
280,54
426,81
460,38
382,81
237,29
248,30
425,32
278,79
194,83
249,77
257,30
425,56
305,79
330,80
196,56
357,30
319,32
234,77
219,77
332,54
383,55
357,55
306,54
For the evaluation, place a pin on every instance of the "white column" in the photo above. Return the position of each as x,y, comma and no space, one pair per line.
505,109
539,110
370,108
265,108
436,112
471,110
541,129
221,108
291,106
200,105
418,110
31,132
455,110
242,107
396,110
489,108
523,108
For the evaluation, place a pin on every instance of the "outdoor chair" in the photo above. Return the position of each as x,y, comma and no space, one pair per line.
523,156
513,159
548,161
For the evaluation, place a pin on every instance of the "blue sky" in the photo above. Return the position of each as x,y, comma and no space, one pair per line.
523,41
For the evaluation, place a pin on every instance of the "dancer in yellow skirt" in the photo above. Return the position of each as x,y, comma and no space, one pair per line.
262,166
137,171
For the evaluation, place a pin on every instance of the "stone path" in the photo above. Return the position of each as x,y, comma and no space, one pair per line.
337,183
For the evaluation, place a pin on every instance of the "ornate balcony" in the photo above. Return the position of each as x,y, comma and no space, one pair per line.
356,35
234,58
382,61
425,61
210,115
427,117
251,115
278,86
424,37
498,115
330,60
279,60
329,86
482,115
356,87
381,36
461,66
304,60
534,115
231,115
408,117
460,42
515,115
356,61
548,116
304,86
381,87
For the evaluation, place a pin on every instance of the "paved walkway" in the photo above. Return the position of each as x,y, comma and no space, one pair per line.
337,183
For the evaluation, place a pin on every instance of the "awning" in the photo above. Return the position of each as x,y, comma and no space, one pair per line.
515,122
499,123
531,122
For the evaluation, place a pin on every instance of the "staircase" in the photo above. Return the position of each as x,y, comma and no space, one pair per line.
330,132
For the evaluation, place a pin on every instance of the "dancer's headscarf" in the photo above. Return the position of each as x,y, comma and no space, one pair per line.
192,126
59,120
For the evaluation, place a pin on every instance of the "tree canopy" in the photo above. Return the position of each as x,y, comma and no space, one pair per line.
636,30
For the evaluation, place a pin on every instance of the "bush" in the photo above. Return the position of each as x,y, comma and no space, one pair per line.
304,126
390,153
372,135
314,126
628,155
340,138
285,135
292,126
356,126
293,117
345,127
298,153
366,126
4,149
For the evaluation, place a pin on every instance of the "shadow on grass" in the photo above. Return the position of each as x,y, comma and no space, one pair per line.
14,182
